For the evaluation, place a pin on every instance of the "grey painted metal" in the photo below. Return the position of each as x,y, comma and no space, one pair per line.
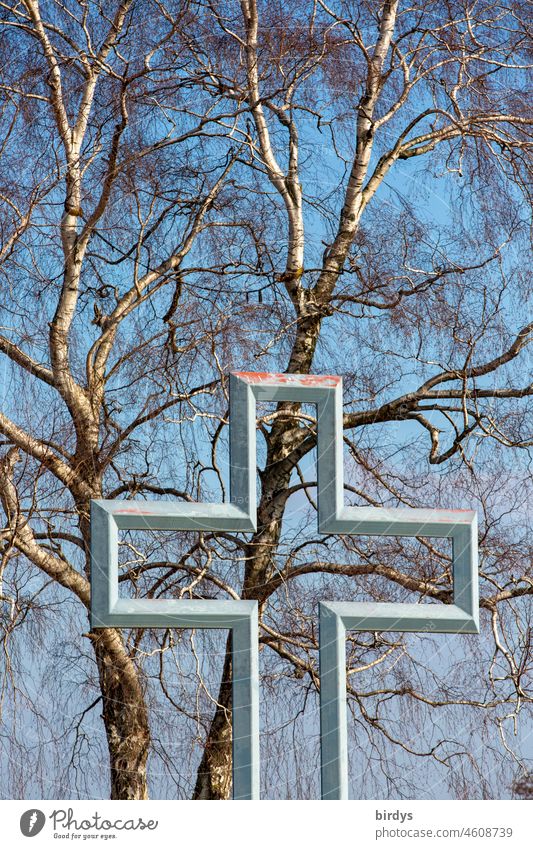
333,720
245,708
461,617
240,514
240,617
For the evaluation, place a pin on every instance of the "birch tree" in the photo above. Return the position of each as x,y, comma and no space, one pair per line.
189,188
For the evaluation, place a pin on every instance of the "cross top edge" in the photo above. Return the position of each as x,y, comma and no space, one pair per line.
262,377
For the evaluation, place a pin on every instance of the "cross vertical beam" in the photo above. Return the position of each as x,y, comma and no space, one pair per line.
333,720
245,710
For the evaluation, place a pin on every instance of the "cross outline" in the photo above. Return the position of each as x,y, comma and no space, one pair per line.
240,514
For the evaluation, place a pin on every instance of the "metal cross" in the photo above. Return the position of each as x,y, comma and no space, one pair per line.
240,514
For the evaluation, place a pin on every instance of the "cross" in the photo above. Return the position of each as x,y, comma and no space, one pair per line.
240,515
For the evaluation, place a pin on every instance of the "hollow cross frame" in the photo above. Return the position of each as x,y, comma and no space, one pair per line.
108,517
